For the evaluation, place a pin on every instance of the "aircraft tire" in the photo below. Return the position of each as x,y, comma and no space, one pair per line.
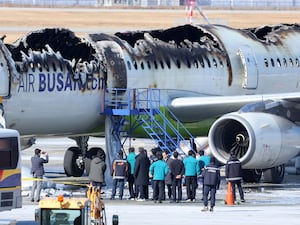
251,176
70,166
274,175
89,156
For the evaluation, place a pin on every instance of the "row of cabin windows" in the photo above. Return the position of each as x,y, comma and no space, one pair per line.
281,62
197,63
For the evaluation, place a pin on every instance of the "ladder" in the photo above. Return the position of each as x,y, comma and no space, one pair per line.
143,108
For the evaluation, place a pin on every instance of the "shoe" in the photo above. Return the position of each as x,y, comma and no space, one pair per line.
211,209
177,201
205,209
155,201
120,198
172,201
37,200
188,200
160,201
32,200
140,200
112,198
242,200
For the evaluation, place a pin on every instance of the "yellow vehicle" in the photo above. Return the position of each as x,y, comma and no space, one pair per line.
88,210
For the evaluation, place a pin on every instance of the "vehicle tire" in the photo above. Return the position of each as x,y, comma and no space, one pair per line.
70,166
89,156
251,176
275,174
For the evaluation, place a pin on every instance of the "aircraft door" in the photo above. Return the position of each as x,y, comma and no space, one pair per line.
115,65
249,64
4,72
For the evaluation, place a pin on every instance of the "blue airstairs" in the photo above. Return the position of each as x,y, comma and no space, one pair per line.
133,108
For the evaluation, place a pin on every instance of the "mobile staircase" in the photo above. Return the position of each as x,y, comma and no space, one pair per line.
133,108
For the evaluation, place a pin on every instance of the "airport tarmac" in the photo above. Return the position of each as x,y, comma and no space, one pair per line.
265,204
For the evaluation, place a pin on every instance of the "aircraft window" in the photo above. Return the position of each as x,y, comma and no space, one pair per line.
61,67
54,67
128,65
155,64
291,62
215,63
221,63
284,62
31,65
162,64
297,62
208,63
201,62
46,66
188,63
178,63
149,65
1,64
272,62
142,65
168,63
39,66
266,62
135,65
278,62
196,64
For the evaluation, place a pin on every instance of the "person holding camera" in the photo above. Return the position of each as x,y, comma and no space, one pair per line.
37,171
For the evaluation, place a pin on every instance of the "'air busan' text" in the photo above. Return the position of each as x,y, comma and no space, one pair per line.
56,82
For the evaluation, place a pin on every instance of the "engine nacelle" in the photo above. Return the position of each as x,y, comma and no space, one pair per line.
260,140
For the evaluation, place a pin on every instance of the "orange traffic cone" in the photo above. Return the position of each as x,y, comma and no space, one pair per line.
229,196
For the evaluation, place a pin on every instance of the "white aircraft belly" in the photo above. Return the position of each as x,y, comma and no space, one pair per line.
54,113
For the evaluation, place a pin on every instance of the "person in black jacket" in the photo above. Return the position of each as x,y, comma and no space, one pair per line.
233,173
141,174
37,171
177,172
211,182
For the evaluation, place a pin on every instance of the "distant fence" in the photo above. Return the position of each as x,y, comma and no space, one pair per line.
251,4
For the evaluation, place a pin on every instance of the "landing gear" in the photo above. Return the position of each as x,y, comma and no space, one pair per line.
78,158
72,162
252,176
274,175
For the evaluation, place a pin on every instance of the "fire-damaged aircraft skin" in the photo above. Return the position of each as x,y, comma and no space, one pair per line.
53,82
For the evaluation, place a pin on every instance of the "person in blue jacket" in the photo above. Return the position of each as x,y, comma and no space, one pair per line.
158,170
191,167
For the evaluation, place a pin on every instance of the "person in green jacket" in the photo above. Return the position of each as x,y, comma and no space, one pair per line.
158,170
130,178
192,170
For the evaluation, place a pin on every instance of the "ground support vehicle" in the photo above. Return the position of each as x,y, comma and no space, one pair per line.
87,210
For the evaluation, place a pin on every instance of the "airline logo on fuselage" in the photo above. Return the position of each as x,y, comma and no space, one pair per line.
56,82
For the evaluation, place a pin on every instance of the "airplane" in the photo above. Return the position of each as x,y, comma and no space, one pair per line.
245,80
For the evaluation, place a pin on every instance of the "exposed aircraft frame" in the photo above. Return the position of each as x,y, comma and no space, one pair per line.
203,71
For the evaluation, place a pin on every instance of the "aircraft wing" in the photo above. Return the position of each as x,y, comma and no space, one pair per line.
191,109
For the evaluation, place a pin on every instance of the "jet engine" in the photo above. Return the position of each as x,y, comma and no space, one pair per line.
260,140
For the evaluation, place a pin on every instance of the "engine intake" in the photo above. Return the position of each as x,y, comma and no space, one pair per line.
260,140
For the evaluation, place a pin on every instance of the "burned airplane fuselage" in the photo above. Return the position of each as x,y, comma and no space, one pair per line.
52,80
53,68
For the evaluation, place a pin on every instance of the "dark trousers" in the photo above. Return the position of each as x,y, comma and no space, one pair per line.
191,186
158,189
116,183
169,188
212,190
142,191
238,183
176,186
131,187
